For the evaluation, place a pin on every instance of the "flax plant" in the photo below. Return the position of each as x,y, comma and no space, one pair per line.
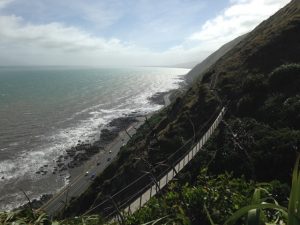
290,214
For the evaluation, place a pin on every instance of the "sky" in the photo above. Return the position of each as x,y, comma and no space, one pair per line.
123,32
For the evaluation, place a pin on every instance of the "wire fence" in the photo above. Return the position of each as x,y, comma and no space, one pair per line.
173,170
128,199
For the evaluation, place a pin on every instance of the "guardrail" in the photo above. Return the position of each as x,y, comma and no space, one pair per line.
144,197
128,200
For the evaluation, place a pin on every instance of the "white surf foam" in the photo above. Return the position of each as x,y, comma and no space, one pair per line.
27,163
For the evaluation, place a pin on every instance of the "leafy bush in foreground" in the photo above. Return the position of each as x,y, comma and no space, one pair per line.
212,197
27,217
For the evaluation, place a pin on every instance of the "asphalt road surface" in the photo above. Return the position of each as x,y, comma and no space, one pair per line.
79,184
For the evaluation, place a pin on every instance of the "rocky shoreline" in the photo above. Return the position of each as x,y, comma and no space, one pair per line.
158,97
78,155
83,151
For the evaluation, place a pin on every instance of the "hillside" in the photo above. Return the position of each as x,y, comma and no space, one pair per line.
258,80
273,43
200,68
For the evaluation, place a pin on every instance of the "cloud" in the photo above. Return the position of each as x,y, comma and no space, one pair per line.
100,14
4,3
241,17
53,35
57,43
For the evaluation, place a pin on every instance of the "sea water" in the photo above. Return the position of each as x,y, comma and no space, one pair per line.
46,110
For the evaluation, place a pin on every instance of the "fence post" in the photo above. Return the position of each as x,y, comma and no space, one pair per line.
158,182
129,209
173,174
118,211
167,177
140,202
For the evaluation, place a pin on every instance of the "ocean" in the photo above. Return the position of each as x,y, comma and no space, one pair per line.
46,110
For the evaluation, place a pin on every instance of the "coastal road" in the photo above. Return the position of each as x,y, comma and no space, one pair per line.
80,183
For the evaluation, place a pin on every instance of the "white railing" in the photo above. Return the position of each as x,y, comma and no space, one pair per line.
161,183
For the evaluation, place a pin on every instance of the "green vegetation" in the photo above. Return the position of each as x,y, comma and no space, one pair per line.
183,204
259,82
26,217
256,215
254,147
214,200
286,79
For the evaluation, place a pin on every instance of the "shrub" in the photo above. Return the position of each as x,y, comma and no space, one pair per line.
286,79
